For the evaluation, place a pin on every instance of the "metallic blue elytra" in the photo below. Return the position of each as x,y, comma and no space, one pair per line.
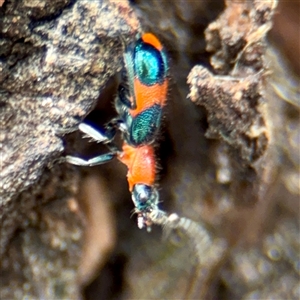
145,126
149,64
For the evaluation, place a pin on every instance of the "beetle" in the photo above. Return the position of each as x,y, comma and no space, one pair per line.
139,106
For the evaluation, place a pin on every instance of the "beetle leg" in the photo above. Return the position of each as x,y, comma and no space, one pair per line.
125,97
93,133
103,137
98,160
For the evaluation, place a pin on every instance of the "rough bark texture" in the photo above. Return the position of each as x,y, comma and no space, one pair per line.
229,159
57,57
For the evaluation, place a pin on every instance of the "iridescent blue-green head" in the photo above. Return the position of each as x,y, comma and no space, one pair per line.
145,199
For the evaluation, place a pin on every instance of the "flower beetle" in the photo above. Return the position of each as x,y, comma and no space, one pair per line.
139,106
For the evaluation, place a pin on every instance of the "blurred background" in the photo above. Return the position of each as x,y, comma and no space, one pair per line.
68,232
